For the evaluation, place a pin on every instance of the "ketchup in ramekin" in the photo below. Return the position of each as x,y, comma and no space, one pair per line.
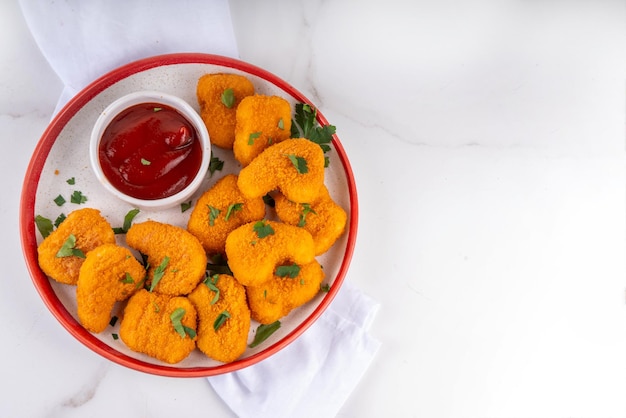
150,151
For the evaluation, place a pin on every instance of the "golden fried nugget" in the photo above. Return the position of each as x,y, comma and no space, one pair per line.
89,229
154,325
177,261
260,122
226,310
255,249
323,218
280,295
109,274
219,117
221,209
294,166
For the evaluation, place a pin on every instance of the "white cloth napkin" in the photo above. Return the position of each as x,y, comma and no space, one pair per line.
83,40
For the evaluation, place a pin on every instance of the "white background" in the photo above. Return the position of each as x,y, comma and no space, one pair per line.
488,145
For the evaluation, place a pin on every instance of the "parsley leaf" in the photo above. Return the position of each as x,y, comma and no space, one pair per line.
299,163
78,197
127,279
324,287
232,208
263,331
211,282
228,98
145,162
176,317
128,221
71,181
159,272
69,248
185,206
252,137
59,220
219,321
263,229
292,271
306,209
213,214
44,225
59,200
304,125
215,165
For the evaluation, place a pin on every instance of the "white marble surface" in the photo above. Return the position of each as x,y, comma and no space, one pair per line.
488,146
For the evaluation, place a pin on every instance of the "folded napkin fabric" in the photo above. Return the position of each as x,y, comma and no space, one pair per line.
83,40
314,375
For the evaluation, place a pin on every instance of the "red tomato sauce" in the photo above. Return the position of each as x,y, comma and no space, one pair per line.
150,151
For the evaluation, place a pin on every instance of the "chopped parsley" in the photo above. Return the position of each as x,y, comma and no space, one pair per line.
219,321
304,125
115,336
44,225
228,98
211,282
306,209
78,197
113,321
127,279
213,214
176,317
232,208
185,206
159,272
252,137
263,331
299,163
71,181
281,123
145,162
69,249
157,109
59,200
128,221
291,271
263,229
59,220
215,165
324,287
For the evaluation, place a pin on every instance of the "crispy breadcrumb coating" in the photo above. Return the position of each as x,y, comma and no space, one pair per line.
147,326
210,228
274,169
253,257
219,119
229,341
91,230
186,261
280,295
261,122
323,218
109,274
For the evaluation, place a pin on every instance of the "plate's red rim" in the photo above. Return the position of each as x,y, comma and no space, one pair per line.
27,216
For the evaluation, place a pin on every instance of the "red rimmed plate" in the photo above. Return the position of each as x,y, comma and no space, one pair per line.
62,154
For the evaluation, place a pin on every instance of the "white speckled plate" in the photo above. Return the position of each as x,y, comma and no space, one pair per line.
62,153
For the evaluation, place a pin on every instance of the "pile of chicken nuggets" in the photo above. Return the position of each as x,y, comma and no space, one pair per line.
173,303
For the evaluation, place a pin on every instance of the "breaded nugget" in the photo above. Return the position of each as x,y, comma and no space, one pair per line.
175,257
255,249
280,295
294,166
109,274
229,341
260,122
221,209
89,229
323,218
148,327
219,117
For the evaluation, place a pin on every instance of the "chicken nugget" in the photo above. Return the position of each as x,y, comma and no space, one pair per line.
161,326
255,249
260,122
59,253
109,274
218,96
177,262
294,166
290,287
220,210
323,218
223,317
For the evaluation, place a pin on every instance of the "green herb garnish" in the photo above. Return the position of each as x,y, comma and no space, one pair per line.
263,332
59,200
115,336
78,197
211,282
182,330
252,137
324,287
281,123
292,271
215,165
113,321
59,220
159,272
185,206
145,162
44,225
128,221
127,279
71,181
304,125
263,229
228,98
69,249
232,208
157,109
219,321
306,209
213,214
299,163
